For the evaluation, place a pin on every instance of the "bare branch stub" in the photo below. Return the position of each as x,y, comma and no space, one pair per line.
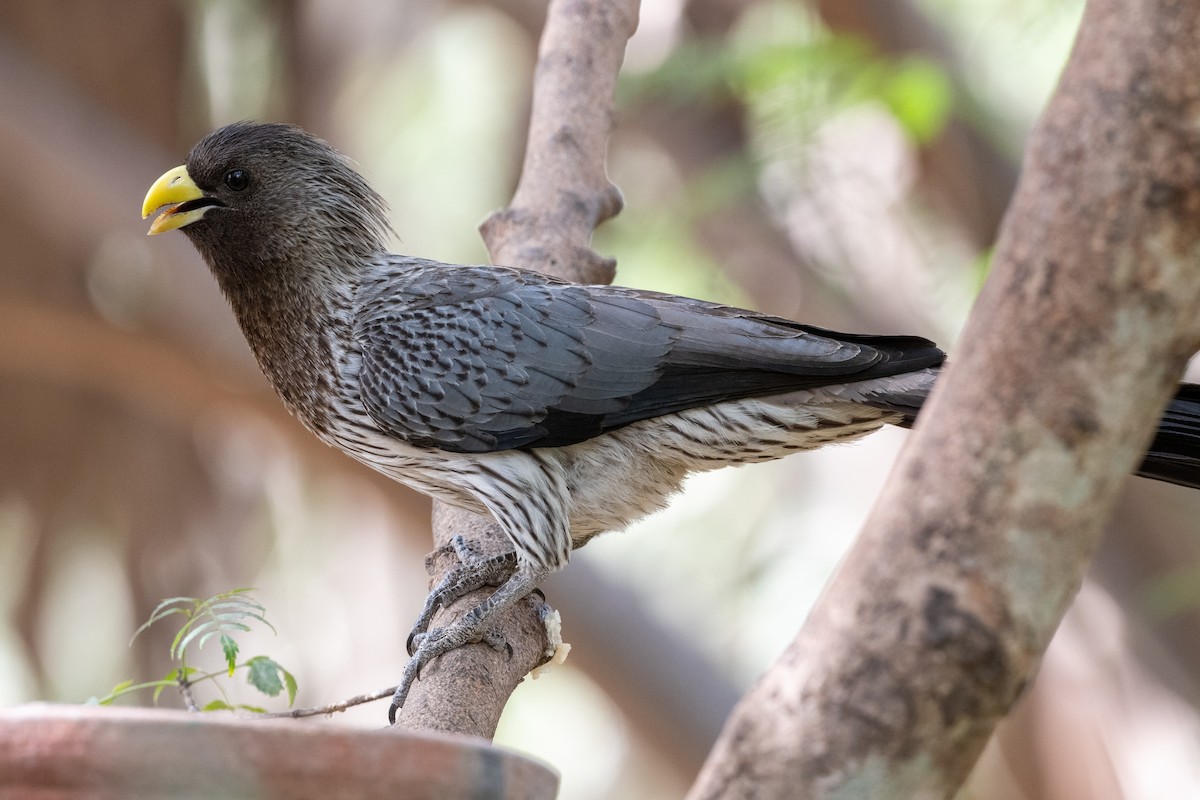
562,196
938,618
564,192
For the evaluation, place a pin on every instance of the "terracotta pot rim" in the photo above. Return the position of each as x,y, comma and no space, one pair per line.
42,710
52,750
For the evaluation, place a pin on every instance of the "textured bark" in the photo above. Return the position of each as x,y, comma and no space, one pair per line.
562,196
966,566
564,192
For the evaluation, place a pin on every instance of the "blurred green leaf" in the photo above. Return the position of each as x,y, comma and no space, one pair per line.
289,680
112,695
920,96
170,679
981,267
840,58
230,648
1173,593
696,72
264,675
796,85
222,616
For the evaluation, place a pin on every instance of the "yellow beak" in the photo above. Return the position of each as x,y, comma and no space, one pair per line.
174,189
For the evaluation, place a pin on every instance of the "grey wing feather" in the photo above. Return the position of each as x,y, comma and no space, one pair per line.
476,359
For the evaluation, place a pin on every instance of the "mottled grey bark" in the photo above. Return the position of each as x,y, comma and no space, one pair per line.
937,620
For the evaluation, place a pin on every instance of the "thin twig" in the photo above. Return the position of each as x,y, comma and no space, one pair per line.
332,708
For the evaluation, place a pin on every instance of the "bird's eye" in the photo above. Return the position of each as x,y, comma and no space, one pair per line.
237,179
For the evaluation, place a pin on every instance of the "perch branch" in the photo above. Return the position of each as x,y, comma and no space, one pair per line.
562,196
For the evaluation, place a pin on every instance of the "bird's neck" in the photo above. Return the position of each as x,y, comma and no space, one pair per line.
298,331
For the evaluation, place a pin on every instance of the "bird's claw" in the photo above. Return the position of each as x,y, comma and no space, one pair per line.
412,671
497,641
413,642
476,572
474,626
436,642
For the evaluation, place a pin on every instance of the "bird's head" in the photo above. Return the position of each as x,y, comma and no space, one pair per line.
255,197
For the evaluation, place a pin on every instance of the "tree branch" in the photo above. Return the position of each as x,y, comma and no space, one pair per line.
938,618
564,192
562,196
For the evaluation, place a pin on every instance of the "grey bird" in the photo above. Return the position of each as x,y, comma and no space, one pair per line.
562,410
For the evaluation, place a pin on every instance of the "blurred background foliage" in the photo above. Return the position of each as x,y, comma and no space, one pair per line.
844,162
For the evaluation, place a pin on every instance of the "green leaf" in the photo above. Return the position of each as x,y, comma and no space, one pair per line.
289,680
1173,593
124,688
218,615
161,611
221,616
252,709
205,631
178,645
108,699
981,267
238,609
170,679
695,73
920,96
264,675
230,648
217,705
174,601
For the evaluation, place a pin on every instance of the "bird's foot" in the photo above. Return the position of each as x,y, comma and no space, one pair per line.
476,572
474,626
433,644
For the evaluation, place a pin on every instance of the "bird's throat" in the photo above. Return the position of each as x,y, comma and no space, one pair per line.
294,331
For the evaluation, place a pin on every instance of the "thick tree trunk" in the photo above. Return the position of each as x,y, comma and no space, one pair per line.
937,621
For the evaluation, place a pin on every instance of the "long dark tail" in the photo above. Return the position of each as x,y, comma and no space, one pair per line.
1174,455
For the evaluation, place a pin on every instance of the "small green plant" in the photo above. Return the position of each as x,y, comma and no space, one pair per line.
222,616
